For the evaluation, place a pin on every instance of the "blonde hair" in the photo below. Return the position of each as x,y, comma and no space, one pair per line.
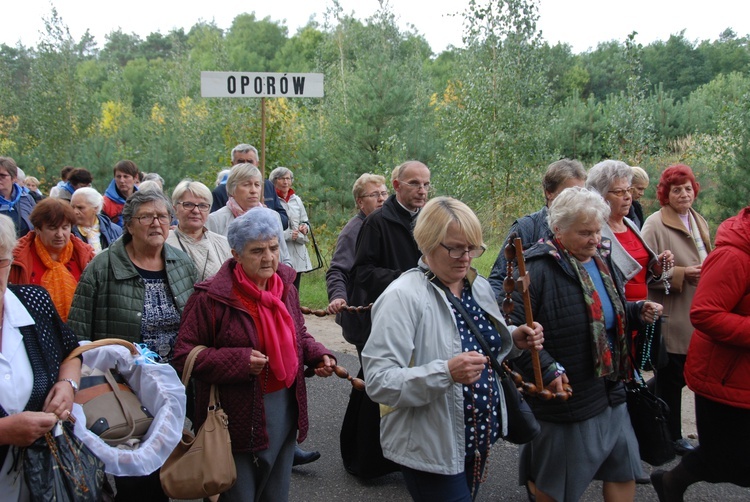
437,215
358,190
639,175
241,173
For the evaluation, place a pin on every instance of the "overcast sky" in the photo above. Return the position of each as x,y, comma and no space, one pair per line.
580,23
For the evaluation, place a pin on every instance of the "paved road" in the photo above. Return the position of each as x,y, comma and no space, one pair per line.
327,481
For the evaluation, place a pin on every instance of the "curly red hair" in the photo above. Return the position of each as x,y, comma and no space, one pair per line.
677,174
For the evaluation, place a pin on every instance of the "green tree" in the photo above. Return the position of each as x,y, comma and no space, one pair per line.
253,44
675,64
495,122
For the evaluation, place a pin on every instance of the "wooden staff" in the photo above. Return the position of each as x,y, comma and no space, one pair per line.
514,251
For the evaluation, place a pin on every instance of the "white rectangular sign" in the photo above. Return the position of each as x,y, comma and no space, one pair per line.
232,84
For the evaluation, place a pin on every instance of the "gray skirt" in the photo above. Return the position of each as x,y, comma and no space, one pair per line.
564,458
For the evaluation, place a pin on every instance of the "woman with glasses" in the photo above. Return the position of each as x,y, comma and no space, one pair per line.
679,227
136,290
578,298
440,399
632,258
296,235
14,202
208,250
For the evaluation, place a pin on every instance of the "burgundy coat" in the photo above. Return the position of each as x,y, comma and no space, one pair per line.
215,317
718,360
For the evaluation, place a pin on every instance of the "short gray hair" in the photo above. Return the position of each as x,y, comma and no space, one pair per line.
258,224
91,196
576,204
222,176
606,172
194,187
134,203
7,237
244,148
241,173
153,177
561,171
280,172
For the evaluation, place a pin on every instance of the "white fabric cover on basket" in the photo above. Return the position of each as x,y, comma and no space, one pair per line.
160,390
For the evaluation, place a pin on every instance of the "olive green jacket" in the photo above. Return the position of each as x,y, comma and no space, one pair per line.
108,302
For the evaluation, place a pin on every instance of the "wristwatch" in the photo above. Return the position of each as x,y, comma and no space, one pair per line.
72,383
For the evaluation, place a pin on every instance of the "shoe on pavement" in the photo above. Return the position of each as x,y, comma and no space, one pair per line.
302,457
682,446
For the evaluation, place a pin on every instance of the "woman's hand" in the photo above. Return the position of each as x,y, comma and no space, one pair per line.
693,274
295,234
327,369
467,367
258,361
666,257
650,312
60,400
24,428
304,228
556,385
527,338
336,306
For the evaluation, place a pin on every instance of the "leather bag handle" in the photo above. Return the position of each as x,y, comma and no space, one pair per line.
213,399
101,343
125,411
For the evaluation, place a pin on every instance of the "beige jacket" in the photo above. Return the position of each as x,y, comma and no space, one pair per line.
664,230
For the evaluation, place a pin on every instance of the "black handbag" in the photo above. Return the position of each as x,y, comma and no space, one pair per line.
648,415
58,467
361,452
522,424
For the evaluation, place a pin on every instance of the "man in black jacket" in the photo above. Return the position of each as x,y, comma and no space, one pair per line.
248,154
560,175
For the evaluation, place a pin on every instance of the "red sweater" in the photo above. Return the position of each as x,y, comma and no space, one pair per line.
718,359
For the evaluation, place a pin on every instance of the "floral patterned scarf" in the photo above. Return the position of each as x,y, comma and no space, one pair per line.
610,361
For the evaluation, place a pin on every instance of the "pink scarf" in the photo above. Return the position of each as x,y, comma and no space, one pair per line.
276,324
237,211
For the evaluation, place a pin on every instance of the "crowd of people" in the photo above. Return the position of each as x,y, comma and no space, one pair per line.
221,268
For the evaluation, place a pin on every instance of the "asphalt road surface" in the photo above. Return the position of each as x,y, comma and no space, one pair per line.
327,481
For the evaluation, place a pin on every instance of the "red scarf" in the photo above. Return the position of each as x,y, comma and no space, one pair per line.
276,324
288,194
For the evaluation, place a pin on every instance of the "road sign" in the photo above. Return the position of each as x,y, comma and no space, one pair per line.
229,84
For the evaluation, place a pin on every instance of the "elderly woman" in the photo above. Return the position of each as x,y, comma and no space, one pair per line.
32,183
248,315
638,187
561,174
244,189
296,234
208,250
14,202
136,290
631,257
91,225
677,226
38,388
369,193
718,367
423,363
50,256
581,305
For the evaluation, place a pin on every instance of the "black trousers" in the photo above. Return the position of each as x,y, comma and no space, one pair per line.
724,432
669,382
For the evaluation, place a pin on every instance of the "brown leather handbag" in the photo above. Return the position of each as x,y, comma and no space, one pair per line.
113,411
202,465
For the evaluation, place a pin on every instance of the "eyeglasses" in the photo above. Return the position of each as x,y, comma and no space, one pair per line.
457,253
285,178
621,192
189,206
148,219
376,194
5,262
416,186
